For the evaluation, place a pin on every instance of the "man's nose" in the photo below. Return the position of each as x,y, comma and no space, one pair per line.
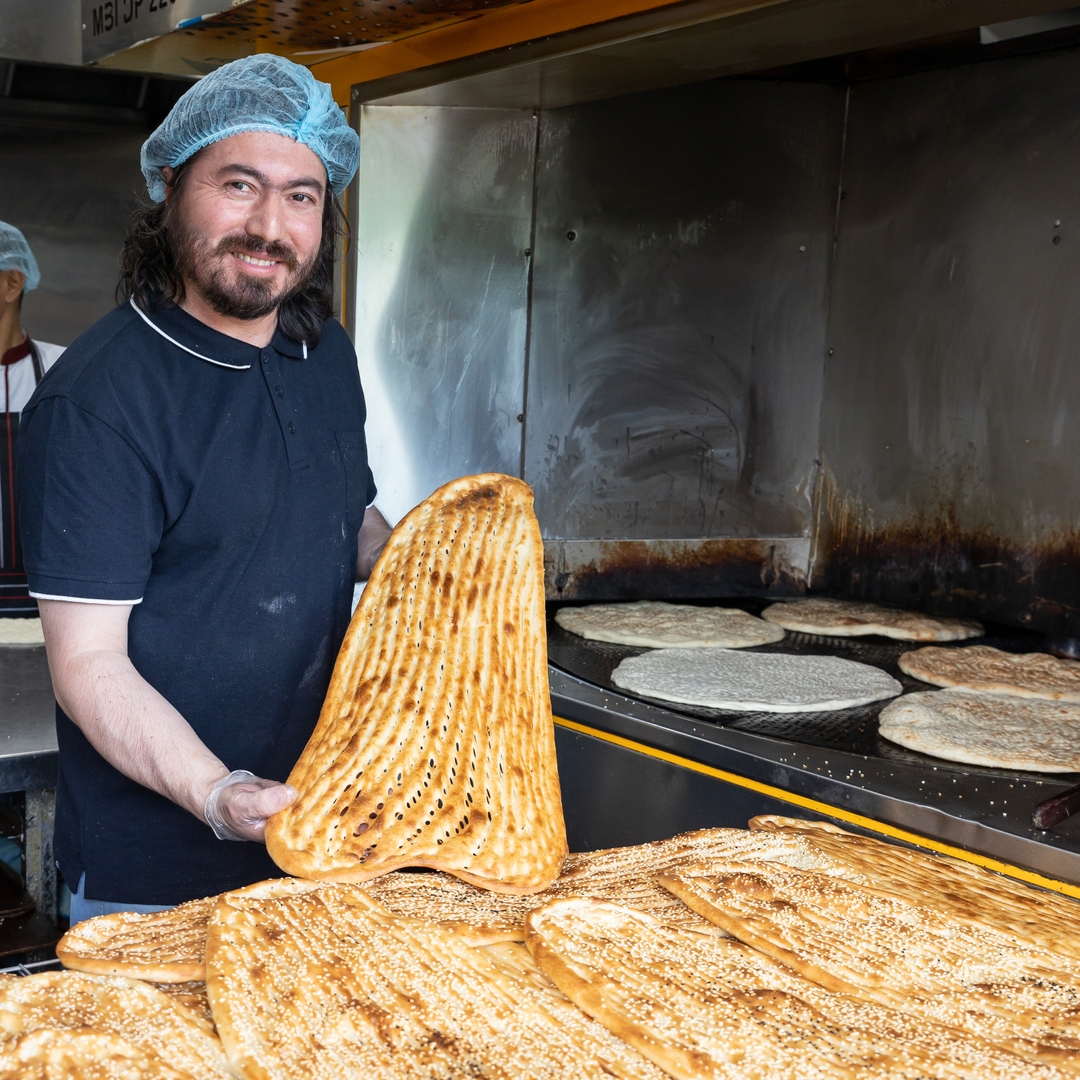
266,220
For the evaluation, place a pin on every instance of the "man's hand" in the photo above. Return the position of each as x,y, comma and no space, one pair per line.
372,539
239,804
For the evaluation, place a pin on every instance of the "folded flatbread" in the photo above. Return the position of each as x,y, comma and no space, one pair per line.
655,624
980,667
905,956
958,889
854,618
163,946
754,682
995,730
314,981
709,1008
626,876
435,746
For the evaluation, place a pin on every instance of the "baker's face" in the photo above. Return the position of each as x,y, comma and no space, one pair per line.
247,223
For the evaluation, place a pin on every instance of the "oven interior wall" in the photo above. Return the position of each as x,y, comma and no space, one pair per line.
949,430
720,376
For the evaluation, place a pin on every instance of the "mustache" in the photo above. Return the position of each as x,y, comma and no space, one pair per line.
242,243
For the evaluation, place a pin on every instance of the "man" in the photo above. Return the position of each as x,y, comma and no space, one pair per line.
195,481
24,362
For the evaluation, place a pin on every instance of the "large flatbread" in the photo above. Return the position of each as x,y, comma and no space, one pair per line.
995,730
435,745
626,876
905,956
980,667
754,682
655,624
191,994
313,981
707,1008
164,946
21,632
156,1023
79,1054
855,618
958,889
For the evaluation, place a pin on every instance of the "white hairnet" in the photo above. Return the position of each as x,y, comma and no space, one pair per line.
257,93
15,254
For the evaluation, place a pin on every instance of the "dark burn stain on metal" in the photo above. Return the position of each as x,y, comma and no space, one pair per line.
633,570
927,560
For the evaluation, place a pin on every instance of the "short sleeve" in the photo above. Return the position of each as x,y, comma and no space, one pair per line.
91,513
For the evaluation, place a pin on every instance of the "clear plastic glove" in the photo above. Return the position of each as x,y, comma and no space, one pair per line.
239,804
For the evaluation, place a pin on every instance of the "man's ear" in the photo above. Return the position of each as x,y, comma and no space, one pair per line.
167,174
11,285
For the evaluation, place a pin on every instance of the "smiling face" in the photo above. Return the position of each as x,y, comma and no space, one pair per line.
247,222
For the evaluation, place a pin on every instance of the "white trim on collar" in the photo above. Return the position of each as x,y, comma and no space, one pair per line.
209,360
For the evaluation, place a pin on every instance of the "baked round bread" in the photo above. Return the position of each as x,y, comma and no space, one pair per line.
995,730
856,618
655,624
980,667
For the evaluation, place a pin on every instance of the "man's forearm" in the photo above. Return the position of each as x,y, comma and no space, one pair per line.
134,728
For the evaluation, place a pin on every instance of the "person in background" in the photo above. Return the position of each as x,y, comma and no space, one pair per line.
24,362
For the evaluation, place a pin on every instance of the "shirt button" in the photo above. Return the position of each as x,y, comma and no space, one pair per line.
292,429
277,390
266,358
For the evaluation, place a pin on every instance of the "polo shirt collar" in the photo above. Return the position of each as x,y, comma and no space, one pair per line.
192,336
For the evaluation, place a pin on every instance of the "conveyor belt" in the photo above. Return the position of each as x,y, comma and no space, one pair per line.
834,759
853,730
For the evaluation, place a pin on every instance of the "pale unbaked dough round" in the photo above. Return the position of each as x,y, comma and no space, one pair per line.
754,682
994,730
21,632
655,624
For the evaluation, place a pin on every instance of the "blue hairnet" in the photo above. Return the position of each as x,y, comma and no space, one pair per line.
15,254
258,93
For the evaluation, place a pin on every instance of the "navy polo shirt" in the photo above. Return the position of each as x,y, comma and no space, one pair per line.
219,488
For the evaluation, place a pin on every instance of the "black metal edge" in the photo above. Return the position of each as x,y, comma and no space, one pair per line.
757,758
29,772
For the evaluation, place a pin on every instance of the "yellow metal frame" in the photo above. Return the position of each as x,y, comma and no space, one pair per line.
826,810
498,29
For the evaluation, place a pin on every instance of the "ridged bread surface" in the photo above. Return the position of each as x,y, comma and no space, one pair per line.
435,746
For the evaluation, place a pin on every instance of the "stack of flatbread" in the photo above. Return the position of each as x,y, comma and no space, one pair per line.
856,618
656,624
793,950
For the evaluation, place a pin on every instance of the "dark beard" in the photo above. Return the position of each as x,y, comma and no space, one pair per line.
245,297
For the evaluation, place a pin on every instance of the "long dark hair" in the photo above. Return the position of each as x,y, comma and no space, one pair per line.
149,274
